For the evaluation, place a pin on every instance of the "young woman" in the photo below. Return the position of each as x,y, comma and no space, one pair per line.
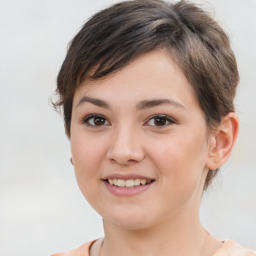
147,92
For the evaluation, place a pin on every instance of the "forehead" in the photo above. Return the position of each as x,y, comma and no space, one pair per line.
155,73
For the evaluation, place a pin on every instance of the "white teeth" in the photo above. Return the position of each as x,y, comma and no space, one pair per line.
121,183
137,182
128,183
143,182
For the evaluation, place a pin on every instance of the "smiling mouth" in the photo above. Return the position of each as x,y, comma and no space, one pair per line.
128,183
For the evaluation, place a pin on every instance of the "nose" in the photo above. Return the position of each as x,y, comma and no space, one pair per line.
125,146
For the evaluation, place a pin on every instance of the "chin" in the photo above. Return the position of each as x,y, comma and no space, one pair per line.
129,219
129,224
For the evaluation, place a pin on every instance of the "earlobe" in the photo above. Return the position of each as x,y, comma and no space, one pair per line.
222,141
71,161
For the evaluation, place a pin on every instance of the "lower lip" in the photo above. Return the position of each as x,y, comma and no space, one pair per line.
125,191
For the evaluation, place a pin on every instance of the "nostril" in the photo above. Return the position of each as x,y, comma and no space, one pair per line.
122,160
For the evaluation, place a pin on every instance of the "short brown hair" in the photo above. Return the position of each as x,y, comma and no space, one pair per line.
113,37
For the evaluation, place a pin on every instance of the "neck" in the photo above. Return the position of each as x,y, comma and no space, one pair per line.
168,238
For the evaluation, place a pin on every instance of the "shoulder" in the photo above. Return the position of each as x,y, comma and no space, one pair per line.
82,250
231,248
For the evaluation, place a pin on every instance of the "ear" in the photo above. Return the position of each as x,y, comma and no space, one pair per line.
221,141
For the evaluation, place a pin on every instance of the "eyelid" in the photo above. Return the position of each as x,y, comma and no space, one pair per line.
90,116
168,118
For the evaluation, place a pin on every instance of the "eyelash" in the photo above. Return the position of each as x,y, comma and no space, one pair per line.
167,120
93,117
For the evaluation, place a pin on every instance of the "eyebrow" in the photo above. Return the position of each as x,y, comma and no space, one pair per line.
156,102
144,104
94,101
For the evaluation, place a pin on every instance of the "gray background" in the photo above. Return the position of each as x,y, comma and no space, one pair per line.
41,208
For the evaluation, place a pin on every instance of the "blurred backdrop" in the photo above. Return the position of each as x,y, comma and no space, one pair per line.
41,208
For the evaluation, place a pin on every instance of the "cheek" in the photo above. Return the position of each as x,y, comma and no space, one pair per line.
85,159
181,148
182,158
180,167
88,156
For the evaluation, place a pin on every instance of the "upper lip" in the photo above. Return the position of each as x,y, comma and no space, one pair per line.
126,177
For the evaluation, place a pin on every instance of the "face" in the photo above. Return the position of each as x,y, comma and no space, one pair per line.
143,130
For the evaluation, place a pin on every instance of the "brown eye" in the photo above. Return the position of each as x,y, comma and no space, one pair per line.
95,120
159,121
98,121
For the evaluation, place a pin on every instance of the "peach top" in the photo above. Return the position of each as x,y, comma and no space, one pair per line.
229,248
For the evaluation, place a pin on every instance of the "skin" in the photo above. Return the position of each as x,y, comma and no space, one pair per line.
176,150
